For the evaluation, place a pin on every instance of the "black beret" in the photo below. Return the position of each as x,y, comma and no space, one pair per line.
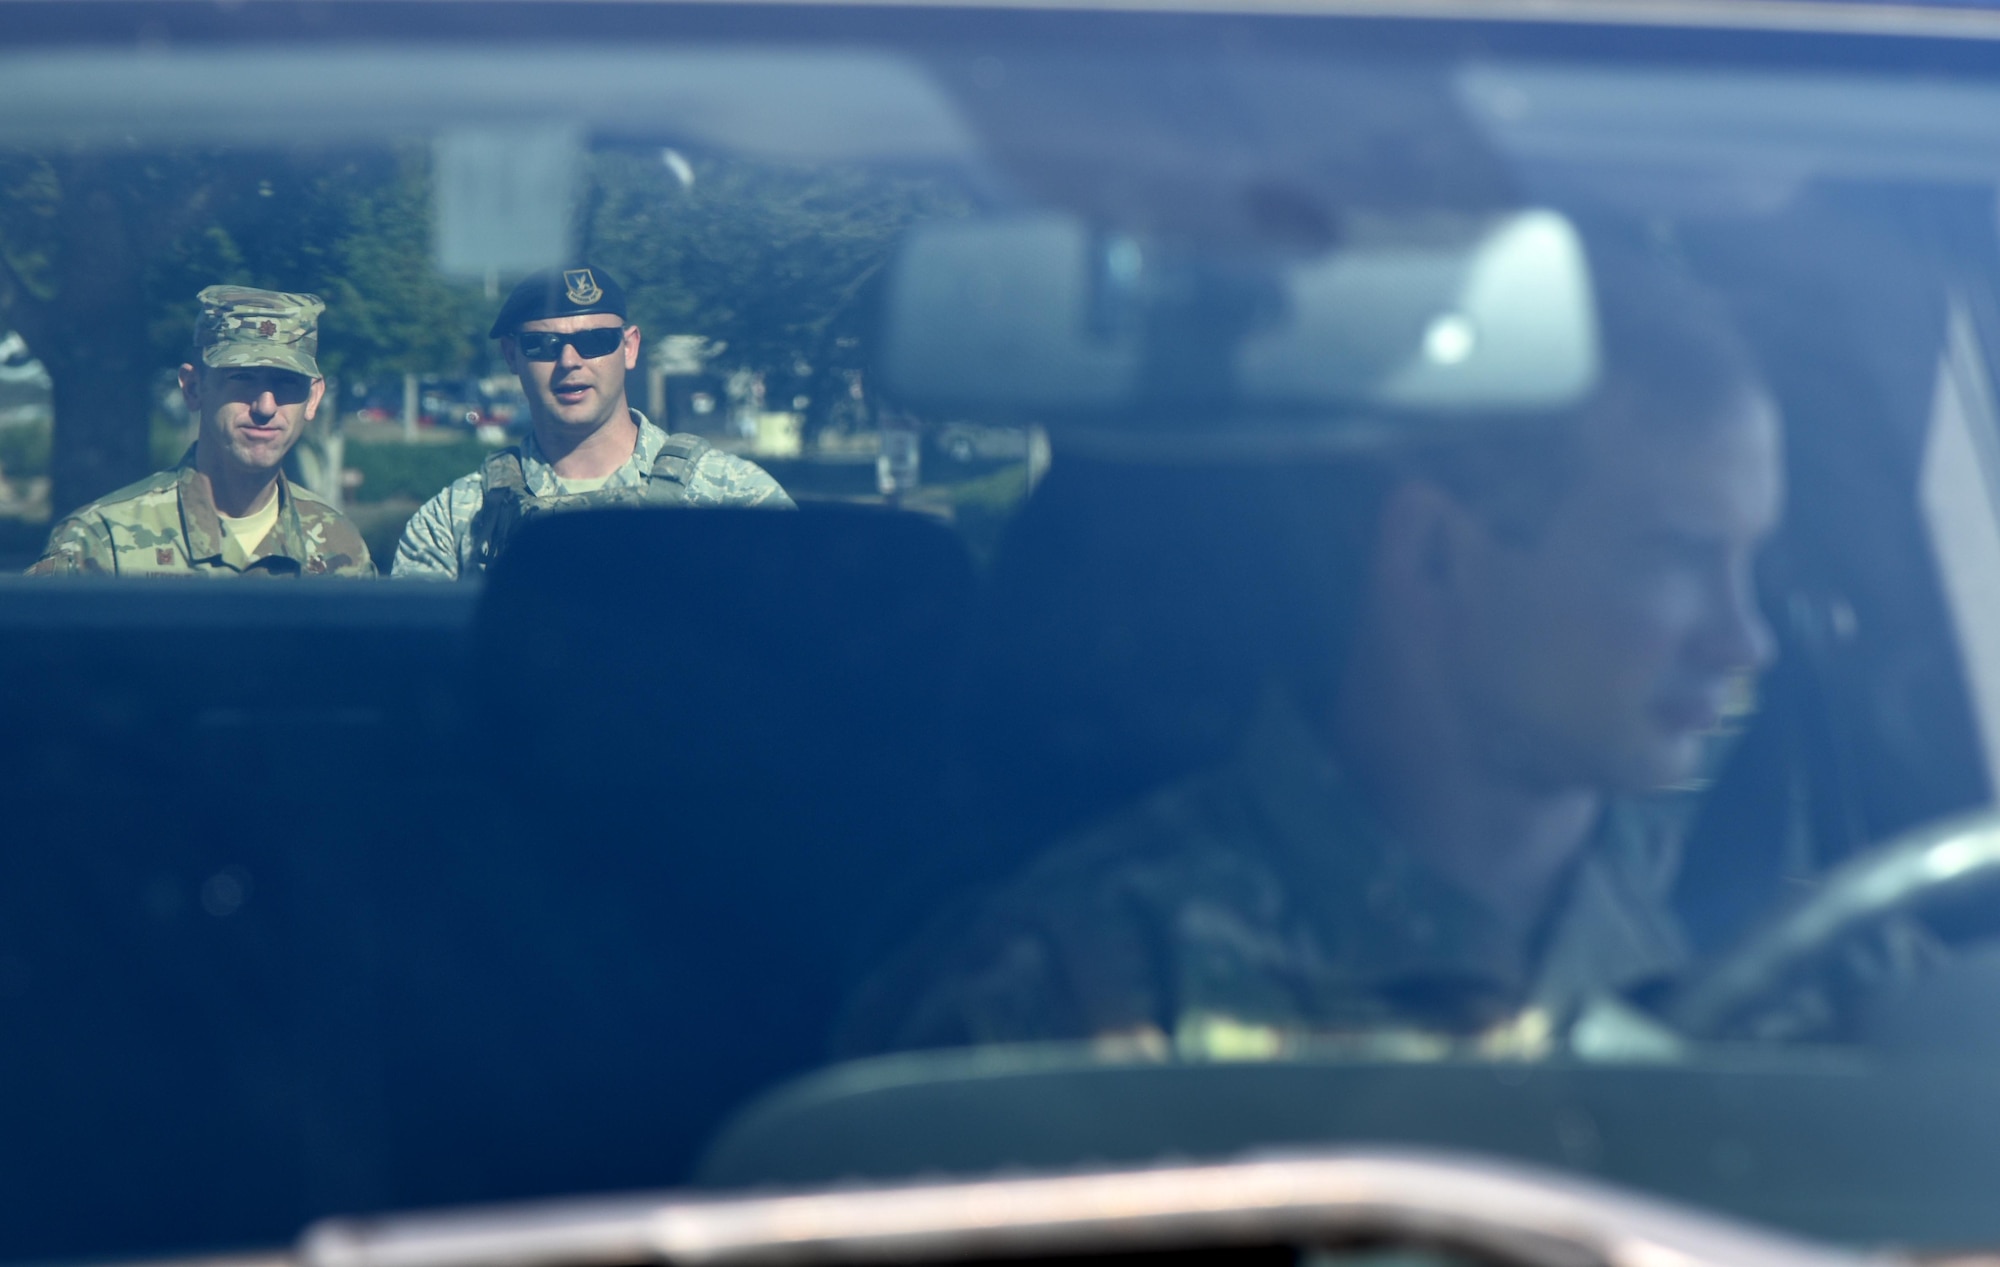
559,292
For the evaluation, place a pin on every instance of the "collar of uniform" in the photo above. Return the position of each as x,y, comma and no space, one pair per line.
540,476
1388,919
201,523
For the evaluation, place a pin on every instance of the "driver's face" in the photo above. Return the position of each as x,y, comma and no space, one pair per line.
1605,649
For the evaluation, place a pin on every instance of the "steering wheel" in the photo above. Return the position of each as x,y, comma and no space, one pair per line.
1921,869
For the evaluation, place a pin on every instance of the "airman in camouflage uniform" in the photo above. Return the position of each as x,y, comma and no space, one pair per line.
227,509
1456,837
563,332
1263,909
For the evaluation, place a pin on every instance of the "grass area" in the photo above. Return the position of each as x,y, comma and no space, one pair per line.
392,471
25,447
381,526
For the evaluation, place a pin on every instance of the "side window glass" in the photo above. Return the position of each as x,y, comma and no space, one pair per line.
1959,491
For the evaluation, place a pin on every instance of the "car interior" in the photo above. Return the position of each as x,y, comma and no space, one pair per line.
548,885
480,993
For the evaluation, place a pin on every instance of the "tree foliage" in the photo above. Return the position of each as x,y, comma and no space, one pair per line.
772,261
102,252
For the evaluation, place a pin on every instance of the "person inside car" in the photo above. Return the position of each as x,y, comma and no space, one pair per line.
564,333
252,383
1449,838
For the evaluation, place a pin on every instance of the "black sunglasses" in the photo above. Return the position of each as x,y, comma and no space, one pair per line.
541,345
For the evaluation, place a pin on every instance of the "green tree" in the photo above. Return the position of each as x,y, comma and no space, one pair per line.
77,231
102,251
773,261
390,311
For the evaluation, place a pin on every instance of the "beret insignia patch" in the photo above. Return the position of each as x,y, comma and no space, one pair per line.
581,287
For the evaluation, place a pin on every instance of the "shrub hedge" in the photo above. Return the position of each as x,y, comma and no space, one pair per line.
394,471
24,450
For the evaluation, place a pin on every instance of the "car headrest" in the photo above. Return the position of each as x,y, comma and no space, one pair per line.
1135,612
728,661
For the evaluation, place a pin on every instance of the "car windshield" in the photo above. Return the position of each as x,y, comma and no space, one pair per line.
981,559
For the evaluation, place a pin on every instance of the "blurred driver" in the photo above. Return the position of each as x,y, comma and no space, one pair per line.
252,385
1438,842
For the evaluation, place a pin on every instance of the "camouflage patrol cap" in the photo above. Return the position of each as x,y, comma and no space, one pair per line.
577,291
241,325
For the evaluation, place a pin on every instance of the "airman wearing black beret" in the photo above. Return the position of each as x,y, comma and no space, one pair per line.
565,333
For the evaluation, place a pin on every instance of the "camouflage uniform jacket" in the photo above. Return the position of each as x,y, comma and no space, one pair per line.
1259,910
437,544
166,525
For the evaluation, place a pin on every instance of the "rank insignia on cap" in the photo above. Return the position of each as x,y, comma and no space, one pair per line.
242,325
559,292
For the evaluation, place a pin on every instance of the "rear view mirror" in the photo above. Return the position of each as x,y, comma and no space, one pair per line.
1040,318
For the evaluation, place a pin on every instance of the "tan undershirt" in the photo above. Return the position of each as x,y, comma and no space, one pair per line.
249,532
567,487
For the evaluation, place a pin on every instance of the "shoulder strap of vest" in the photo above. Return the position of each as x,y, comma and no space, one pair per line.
678,455
502,469
504,490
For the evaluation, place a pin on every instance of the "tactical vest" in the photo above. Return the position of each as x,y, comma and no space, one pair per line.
507,504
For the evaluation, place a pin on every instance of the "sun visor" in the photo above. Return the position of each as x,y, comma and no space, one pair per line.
1039,318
